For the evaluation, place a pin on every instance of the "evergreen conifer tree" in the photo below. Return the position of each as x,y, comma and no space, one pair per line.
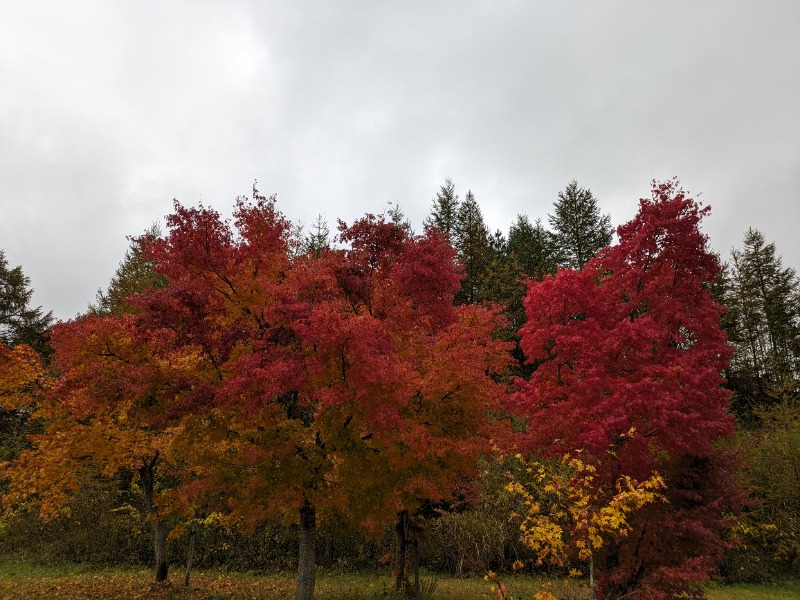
316,242
134,275
763,322
500,283
19,322
472,246
444,212
579,228
532,247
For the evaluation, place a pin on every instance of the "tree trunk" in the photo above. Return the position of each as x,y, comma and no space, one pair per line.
189,555
401,578
415,564
306,555
160,531
147,475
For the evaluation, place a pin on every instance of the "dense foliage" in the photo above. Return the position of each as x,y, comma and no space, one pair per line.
628,355
268,385
247,396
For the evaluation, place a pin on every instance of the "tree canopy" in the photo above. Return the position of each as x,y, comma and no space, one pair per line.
287,386
628,355
238,371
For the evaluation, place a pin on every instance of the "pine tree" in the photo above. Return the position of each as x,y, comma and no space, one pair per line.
444,212
763,322
19,322
500,283
472,246
134,275
532,247
529,256
579,228
316,242
498,244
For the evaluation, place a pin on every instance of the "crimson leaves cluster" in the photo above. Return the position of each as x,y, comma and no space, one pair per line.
633,341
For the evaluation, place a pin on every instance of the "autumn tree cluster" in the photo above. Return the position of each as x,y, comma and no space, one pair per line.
257,382
238,373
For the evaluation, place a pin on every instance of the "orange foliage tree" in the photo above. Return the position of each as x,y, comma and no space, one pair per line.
339,385
22,383
21,377
105,409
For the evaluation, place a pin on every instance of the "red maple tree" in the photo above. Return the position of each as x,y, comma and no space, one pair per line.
343,385
634,341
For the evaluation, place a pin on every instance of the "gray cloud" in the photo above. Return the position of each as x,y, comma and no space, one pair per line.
109,110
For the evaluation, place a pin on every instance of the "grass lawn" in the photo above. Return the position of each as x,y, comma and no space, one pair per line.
21,579
753,592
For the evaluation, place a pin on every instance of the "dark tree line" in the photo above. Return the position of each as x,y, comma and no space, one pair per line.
762,295
497,266
577,231
763,323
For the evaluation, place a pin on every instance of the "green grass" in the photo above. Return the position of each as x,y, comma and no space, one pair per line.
753,591
28,579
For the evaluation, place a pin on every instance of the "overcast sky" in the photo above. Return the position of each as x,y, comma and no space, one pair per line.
110,109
